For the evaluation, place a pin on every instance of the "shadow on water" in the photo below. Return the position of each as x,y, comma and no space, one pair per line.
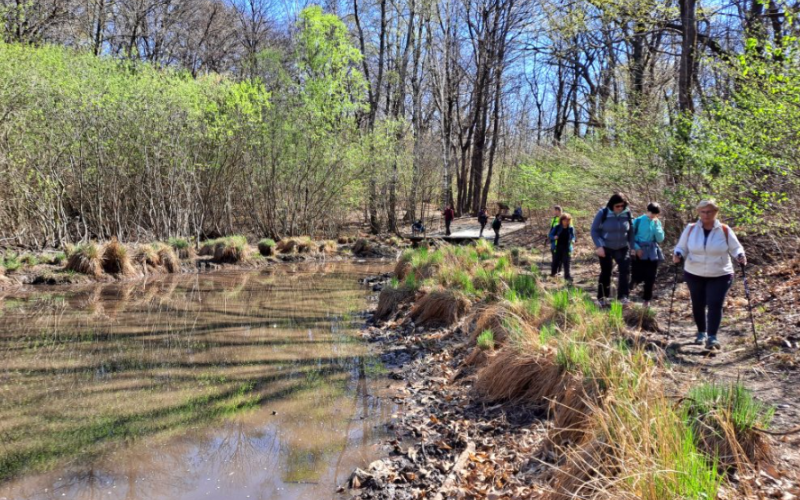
212,386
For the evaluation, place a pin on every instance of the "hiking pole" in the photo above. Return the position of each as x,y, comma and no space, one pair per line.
672,300
749,305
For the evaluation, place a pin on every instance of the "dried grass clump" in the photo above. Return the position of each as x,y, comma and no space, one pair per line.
527,376
85,259
168,258
328,247
147,255
642,318
288,245
439,308
389,301
502,322
207,248
306,245
116,259
266,247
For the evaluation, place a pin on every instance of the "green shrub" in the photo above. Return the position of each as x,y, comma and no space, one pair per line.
178,243
733,399
12,262
486,340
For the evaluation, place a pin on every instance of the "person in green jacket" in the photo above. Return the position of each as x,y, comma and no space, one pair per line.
648,233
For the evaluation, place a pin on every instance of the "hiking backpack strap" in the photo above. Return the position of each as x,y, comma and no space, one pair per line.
725,229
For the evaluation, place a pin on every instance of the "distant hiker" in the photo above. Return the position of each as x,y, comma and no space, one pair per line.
497,223
449,215
563,235
517,215
554,223
612,233
707,247
417,228
647,234
483,219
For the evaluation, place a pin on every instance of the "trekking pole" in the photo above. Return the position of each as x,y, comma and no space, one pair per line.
672,300
749,306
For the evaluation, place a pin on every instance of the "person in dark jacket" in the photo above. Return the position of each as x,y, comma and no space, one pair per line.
497,223
417,228
563,235
612,233
449,215
483,219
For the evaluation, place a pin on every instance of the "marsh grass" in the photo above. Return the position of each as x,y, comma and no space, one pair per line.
486,340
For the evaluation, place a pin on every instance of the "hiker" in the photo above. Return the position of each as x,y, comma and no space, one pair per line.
707,247
417,228
563,235
449,215
612,233
647,234
554,223
483,219
517,215
497,223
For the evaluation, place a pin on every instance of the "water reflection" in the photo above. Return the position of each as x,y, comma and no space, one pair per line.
241,385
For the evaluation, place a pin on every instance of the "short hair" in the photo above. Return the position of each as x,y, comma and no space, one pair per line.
654,208
616,199
557,207
711,202
566,217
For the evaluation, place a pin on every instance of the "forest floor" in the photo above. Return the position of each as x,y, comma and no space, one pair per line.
448,444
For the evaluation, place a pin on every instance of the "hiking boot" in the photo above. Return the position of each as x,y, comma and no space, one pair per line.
712,343
625,301
646,304
601,303
701,337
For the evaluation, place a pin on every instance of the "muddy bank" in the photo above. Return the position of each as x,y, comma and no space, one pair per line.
115,262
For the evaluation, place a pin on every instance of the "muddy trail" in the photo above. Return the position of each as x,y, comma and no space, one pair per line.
449,443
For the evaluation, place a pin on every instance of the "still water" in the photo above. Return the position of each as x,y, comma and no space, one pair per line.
211,386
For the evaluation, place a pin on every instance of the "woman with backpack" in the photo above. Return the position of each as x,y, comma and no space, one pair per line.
612,233
563,235
707,247
647,234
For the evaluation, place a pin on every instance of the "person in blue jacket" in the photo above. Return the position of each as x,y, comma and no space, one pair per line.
563,235
612,233
647,234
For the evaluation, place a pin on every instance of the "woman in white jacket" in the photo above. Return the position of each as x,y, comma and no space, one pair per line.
708,245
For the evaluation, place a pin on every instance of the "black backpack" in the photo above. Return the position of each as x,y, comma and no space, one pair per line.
496,223
605,216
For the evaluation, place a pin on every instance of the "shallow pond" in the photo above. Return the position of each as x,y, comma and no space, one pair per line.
222,385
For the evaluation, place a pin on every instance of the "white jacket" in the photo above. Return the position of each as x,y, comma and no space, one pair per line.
708,258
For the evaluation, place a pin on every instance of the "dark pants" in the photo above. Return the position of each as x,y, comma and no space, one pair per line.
483,226
645,271
447,227
623,260
496,236
708,294
561,259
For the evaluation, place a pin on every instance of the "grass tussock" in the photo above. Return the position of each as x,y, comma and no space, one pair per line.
266,247
116,259
182,248
227,250
439,308
327,247
725,419
642,318
85,259
390,300
168,258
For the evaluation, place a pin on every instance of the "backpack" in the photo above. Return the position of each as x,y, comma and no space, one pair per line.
725,229
496,223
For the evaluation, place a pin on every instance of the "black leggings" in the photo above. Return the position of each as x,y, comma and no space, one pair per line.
496,236
623,260
708,293
561,259
645,271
